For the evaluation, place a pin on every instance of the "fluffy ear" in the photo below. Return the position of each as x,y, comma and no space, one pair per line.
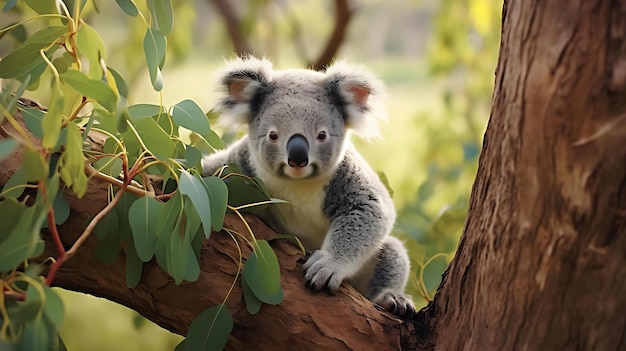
361,94
241,79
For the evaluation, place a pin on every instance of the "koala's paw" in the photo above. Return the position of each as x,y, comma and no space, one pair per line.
323,272
399,304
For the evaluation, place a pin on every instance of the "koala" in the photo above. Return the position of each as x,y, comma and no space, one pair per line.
298,143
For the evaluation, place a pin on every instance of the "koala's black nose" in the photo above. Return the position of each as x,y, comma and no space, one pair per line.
297,151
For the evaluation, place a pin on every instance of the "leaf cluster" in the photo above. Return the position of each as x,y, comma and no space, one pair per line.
160,205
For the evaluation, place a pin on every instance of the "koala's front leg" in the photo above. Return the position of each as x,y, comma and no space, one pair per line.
352,240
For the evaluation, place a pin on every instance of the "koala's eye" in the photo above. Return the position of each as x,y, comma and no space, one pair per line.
272,136
321,136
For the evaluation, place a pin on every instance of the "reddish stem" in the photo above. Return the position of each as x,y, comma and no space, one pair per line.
57,242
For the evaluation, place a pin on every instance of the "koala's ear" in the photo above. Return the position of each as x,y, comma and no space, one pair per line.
361,95
241,80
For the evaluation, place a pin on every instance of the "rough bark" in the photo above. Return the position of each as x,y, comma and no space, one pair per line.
542,261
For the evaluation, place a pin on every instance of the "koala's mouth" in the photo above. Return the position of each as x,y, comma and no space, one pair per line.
307,172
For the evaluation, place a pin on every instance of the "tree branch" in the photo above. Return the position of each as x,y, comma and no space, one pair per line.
240,43
344,10
303,321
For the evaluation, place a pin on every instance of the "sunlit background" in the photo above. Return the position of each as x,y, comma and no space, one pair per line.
437,58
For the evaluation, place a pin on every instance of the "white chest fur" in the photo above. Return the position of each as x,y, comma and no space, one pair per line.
303,214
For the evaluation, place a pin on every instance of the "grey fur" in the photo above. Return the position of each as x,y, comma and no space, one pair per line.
338,206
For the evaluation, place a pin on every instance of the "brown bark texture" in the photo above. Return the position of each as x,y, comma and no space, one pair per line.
542,261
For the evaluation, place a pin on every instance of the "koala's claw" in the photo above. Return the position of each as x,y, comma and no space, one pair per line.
322,272
398,304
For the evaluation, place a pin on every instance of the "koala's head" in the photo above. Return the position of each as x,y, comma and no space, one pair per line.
298,120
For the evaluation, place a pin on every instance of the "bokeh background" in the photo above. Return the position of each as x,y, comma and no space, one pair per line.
437,58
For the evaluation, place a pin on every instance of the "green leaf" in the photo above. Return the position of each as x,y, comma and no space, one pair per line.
191,227
10,209
54,309
140,111
27,57
35,336
155,138
9,5
128,6
53,119
134,266
162,15
210,330
42,7
262,273
22,241
214,140
433,271
7,146
253,304
109,248
181,346
119,82
10,102
14,187
61,208
109,165
93,88
32,119
91,46
194,188
192,156
73,162
189,115
218,197
243,191
35,166
122,209
143,217
107,224
177,255
154,45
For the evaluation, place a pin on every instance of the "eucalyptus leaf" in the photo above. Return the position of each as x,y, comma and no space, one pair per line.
15,186
53,119
128,6
189,115
155,138
90,45
21,242
210,330
27,57
218,197
53,308
92,88
262,273
7,146
143,216
140,111
10,209
253,304
162,15
154,45
195,190
134,266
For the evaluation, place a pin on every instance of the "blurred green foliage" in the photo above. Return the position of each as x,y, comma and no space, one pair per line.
438,58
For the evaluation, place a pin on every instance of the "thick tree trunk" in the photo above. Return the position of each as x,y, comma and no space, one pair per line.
542,261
